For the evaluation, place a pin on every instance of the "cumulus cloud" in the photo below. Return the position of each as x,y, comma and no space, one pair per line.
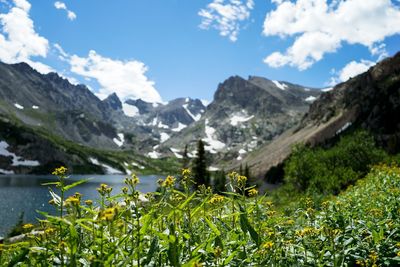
226,16
351,70
60,5
126,78
320,28
19,41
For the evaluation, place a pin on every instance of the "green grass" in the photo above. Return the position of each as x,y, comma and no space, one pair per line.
360,226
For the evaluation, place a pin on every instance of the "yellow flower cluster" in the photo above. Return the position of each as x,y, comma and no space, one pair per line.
185,172
308,231
253,192
104,189
132,181
267,245
61,171
169,181
108,214
216,199
27,226
72,201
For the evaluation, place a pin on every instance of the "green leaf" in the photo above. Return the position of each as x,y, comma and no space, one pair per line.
150,254
68,187
213,227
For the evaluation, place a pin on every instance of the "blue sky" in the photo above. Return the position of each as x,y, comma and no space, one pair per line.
163,49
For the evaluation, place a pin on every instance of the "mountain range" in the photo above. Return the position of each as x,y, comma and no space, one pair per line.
46,121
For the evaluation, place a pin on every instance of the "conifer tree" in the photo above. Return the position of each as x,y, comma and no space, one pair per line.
200,173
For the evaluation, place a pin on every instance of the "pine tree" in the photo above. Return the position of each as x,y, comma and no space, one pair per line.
220,182
185,160
200,173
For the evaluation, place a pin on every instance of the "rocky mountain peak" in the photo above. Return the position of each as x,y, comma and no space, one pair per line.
113,102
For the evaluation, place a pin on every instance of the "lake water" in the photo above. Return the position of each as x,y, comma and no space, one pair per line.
25,193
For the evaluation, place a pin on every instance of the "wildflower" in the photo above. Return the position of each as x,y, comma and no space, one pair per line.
216,199
104,189
268,245
132,181
290,222
271,213
360,262
27,226
217,252
185,172
398,253
61,171
52,202
241,179
78,195
108,214
373,256
169,181
253,192
269,203
125,190
49,231
232,175
72,200
89,202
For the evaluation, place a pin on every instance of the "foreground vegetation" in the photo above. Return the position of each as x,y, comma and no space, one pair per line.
173,228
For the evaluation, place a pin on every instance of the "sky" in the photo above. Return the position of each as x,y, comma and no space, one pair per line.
159,50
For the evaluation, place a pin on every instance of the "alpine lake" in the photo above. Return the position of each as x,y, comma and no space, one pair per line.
25,195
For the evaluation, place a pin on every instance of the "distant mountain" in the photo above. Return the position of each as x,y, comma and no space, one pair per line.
244,115
370,101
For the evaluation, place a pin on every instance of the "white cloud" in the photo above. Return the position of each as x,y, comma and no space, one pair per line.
320,28
60,5
18,39
226,16
126,78
351,70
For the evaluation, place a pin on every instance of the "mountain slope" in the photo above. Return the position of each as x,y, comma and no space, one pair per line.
370,101
243,115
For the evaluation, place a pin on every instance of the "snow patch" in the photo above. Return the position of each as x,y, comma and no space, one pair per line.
18,106
307,89
137,165
347,125
242,151
239,158
164,137
327,89
310,99
213,143
17,161
176,152
236,119
213,169
108,169
194,117
154,155
35,107
155,104
120,140
281,86
6,171
205,102
187,99
130,110
180,127
161,125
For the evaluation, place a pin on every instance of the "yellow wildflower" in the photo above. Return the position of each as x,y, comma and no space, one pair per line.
185,172
27,226
72,200
216,199
169,181
61,171
108,214
253,192
268,245
89,202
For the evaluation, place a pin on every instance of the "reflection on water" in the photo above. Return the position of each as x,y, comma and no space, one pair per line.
25,193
